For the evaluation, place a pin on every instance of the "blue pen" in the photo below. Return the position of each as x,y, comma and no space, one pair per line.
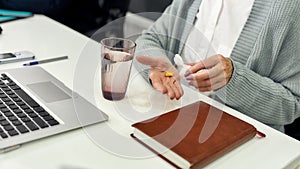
45,61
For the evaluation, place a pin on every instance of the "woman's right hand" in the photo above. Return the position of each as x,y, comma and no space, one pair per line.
158,67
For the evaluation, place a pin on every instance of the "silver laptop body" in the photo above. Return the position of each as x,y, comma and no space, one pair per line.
70,110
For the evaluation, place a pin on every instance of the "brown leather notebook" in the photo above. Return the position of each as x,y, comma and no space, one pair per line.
194,135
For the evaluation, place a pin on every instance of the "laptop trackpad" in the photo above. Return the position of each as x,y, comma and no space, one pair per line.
48,91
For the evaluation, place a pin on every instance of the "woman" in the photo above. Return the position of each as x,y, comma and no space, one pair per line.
255,72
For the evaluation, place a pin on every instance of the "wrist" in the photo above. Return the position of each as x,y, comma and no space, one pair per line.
230,69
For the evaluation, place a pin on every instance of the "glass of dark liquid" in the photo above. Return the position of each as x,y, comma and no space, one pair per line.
116,61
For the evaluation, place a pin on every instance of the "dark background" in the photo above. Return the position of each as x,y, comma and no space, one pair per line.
148,5
138,6
88,16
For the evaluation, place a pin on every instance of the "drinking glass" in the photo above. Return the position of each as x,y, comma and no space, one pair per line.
116,61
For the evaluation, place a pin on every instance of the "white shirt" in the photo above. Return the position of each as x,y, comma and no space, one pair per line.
217,28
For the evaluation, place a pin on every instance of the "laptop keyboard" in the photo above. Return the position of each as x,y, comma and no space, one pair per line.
19,113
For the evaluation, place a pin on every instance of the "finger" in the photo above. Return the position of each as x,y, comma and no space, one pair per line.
171,88
223,68
213,60
177,89
174,88
210,82
197,84
204,64
199,76
159,63
180,90
160,87
207,73
190,64
210,88
205,89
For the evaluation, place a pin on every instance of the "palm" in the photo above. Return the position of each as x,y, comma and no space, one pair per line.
167,85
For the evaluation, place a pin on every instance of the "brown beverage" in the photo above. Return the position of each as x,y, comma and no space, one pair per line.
116,66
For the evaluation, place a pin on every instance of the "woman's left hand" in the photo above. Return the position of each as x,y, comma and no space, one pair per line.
210,74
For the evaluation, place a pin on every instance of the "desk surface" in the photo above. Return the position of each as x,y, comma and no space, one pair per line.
80,149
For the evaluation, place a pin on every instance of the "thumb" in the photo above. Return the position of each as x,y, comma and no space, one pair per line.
158,63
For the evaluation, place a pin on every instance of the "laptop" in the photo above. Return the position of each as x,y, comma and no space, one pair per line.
35,105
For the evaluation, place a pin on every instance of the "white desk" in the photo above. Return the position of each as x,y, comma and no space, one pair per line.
77,149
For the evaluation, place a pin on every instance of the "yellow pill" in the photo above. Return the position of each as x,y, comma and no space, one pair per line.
169,74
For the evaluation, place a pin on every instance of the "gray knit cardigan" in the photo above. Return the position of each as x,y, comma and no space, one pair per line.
265,84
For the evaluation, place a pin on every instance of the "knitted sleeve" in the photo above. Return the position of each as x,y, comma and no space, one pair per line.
268,87
157,40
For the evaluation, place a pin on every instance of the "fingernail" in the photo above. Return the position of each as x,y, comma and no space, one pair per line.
190,83
189,77
187,73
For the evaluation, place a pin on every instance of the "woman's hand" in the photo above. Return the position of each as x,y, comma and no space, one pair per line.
169,85
210,74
